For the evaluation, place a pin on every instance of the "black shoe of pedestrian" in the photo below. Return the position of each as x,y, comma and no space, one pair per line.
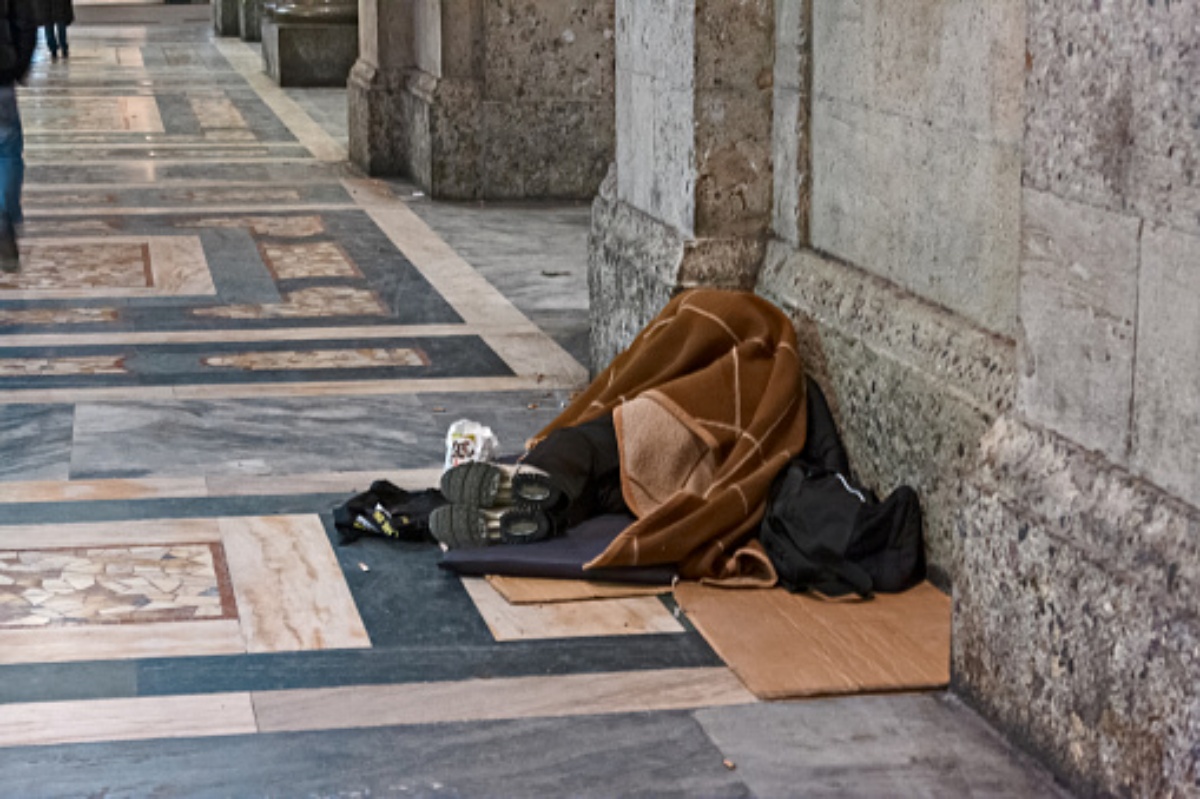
66,53
10,257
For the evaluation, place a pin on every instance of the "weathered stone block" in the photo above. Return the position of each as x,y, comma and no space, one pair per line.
523,146
543,51
374,100
914,388
733,167
250,20
1113,107
917,120
1079,298
735,47
636,263
225,17
310,44
1167,389
1075,623
789,126
935,210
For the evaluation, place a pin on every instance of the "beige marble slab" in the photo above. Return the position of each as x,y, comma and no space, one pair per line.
212,486
366,387
217,112
177,267
329,482
121,642
290,590
601,617
90,490
180,210
140,718
180,266
247,61
119,533
505,698
213,336
346,388
68,395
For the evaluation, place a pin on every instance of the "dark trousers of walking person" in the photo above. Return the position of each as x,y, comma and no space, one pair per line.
56,39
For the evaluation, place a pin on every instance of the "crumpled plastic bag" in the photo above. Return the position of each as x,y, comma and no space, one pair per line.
470,441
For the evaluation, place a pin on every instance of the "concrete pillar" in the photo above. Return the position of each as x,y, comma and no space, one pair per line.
225,17
688,201
474,100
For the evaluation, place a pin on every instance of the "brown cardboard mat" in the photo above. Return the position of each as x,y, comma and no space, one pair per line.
539,590
785,645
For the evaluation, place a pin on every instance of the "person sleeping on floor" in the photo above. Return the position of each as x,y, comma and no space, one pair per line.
685,431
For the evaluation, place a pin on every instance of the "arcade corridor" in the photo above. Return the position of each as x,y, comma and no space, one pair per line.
221,330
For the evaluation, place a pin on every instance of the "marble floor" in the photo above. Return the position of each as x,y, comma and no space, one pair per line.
221,331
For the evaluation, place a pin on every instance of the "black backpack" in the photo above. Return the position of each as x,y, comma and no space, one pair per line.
389,511
824,532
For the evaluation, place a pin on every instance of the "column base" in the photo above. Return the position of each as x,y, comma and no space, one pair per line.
309,54
250,20
636,263
226,21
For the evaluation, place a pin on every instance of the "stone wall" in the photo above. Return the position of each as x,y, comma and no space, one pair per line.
1002,307
693,170
1077,627
506,99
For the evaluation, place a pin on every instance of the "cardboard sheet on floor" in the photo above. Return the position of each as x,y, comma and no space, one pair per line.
785,645
558,558
538,590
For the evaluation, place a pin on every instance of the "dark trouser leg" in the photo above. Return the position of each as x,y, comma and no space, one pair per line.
51,39
585,463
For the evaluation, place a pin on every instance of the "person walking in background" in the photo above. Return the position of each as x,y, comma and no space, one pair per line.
18,38
59,14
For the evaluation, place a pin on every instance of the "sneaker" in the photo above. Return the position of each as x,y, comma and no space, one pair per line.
467,527
487,485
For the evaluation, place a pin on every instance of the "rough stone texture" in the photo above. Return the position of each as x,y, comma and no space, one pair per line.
374,100
734,60
225,17
1166,423
1113,107
250,20
655,87
789,127
501,100
1079,297
308,54
913,387
1075,622
916,130
542,51
522,148
636,263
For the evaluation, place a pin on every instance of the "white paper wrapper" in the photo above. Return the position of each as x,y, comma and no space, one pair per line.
470,441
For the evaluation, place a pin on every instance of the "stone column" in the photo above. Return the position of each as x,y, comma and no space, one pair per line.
386,51
250,20
473,100
688,201
225,17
